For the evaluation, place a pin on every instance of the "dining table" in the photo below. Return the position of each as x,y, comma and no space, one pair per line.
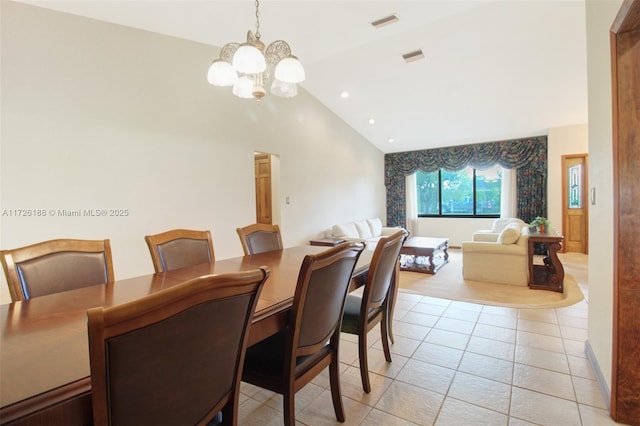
44,355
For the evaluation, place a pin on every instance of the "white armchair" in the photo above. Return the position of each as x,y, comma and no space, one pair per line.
491,235
504,260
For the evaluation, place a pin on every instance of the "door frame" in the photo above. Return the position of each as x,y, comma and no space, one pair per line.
276,210
625,68
584,195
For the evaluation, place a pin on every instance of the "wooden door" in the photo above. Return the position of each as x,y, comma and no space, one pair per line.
575,203
625,73
263,188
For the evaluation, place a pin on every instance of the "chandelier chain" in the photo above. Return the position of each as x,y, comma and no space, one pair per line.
258,19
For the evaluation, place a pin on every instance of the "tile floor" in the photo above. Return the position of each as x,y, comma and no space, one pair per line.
458,363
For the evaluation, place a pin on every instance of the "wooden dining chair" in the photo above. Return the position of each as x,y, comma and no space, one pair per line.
288,360
174,357
363,312
260,237
179,248
56,265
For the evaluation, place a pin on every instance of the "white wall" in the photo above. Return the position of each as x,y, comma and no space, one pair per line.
457,230
600,15
100,116
561,141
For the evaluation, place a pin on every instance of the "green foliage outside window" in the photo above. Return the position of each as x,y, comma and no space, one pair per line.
466,192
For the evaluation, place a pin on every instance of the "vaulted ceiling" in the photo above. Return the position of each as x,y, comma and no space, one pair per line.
492,70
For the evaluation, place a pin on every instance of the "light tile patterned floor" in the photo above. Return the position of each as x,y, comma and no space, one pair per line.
457,363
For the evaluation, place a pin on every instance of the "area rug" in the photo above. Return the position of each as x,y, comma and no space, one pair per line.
448,283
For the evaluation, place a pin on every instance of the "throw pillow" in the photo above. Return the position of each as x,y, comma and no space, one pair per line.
510,234
363,229
376,227
346,230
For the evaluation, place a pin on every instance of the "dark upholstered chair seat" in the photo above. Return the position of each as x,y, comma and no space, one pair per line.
266,358
351,320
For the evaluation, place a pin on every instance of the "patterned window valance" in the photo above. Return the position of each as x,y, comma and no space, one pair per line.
528,155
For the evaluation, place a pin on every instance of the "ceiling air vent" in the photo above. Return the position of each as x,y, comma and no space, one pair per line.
384,21
413,56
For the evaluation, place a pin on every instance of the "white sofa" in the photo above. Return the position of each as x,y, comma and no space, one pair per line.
367,231
503,260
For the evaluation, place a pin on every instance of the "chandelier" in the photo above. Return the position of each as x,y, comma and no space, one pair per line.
249,67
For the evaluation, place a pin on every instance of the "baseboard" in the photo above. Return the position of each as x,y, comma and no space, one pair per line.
602,383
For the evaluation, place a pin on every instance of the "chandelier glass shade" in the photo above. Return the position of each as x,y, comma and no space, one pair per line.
221,73
248,59
249,66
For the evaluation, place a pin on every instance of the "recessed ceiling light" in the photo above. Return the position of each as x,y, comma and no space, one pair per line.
344,94
372,121
391,140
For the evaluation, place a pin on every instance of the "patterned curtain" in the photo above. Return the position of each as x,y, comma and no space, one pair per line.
528,155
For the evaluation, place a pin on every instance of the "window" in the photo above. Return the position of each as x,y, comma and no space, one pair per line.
463,193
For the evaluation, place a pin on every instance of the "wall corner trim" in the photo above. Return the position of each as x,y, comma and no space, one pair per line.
602,383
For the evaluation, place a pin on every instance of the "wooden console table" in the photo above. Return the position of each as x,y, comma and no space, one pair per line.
545,270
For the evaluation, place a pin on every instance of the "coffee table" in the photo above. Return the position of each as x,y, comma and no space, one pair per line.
424,254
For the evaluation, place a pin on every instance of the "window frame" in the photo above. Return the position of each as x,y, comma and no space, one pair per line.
465,216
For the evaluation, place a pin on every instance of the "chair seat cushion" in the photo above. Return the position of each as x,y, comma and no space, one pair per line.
351,317
266,358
